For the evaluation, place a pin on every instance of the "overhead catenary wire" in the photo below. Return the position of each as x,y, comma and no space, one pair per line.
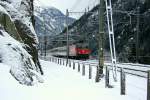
76,4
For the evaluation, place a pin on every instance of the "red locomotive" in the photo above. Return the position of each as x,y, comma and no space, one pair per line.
76,51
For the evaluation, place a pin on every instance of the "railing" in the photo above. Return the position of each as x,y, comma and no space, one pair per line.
87,68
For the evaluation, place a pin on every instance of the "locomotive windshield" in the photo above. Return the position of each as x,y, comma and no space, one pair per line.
82,45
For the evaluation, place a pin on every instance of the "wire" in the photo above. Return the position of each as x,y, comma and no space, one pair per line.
76,4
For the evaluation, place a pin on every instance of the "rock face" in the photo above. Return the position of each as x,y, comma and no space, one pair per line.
125,27
20,42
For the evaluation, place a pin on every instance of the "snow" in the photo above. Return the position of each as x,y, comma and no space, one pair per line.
3,10
16,15
63,83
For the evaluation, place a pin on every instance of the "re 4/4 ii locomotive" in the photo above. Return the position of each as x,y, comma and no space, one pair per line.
76,51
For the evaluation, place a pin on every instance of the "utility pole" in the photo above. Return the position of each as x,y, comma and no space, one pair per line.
45,44
101,41
44,38
32,13
137,35
67,14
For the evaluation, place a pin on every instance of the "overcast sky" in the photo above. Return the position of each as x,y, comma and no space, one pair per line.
72,5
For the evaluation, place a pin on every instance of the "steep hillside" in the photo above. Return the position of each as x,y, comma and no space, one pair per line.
125,26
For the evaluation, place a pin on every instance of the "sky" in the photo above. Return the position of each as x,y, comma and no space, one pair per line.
71,5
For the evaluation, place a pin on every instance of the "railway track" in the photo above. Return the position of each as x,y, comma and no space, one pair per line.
129,68
139,70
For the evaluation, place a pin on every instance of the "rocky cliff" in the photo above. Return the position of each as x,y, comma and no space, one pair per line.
18,42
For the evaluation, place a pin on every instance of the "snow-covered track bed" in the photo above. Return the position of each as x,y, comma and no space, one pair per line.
139,70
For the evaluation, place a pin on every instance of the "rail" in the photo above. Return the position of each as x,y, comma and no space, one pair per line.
132,69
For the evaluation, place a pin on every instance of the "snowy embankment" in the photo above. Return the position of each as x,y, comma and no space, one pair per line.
63,83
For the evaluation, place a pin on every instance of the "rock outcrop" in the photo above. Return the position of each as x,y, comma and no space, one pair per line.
19,47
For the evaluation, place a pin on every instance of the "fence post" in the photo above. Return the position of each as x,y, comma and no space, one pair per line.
69,63
63,62
83,70
148,85
90,72
74,65
50,59
66,62
78,67
60,61
123,82
107,78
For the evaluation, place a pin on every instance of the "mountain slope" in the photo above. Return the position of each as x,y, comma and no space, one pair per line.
124,27
50,21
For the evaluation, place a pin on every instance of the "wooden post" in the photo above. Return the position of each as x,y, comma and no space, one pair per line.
107,78
90,72
73,65
123,82
148,85
83,70
78,67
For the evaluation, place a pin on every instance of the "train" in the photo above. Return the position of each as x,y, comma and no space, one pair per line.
76,51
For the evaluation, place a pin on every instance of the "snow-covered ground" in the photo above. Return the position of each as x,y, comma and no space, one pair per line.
63,83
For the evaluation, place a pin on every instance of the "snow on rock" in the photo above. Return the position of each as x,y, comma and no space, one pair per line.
20,54
8,24
13,54
17,16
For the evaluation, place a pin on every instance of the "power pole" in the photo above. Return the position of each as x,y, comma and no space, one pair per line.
45,45
32,13
137,35
67,14
101,41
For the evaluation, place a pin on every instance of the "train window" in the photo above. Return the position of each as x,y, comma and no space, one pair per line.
82,45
